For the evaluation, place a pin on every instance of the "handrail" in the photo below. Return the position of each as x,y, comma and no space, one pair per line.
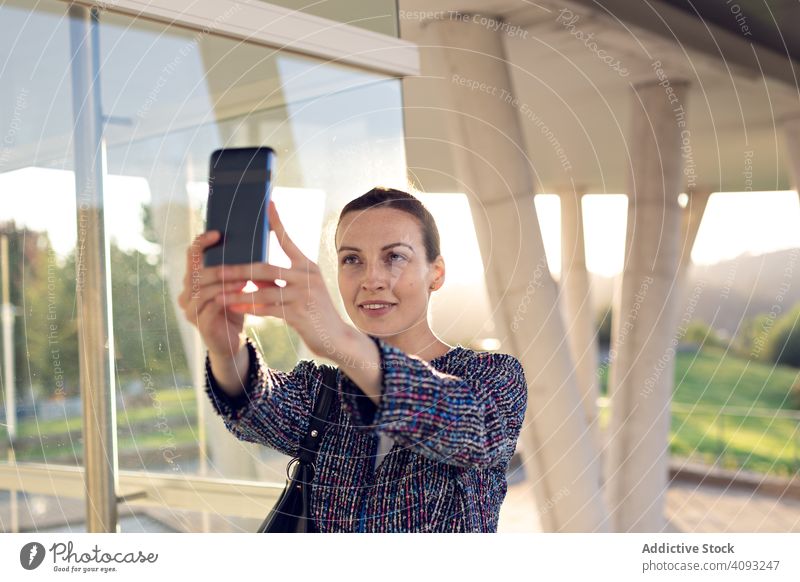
602,402
231,497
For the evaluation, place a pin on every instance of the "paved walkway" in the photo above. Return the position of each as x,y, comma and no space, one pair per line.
689,508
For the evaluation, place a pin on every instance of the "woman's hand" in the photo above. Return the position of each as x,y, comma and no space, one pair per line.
303,302
220,328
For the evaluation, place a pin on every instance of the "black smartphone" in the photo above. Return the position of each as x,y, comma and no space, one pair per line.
239,186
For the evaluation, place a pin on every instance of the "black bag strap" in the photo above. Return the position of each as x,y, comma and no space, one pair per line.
318,422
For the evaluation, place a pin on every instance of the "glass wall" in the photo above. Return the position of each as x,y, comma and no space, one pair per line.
376,15
168,97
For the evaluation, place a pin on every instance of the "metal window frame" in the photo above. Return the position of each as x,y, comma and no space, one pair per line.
229,497
262,23
250,21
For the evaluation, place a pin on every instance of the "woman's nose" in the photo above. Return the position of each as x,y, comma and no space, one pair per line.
375,278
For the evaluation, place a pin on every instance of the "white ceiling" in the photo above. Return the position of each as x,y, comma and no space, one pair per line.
732,107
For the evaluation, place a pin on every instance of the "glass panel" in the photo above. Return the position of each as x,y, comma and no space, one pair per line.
47,513
376,15
50,514
169,97
37,215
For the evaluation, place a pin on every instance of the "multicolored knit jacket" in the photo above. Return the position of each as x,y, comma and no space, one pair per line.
454,422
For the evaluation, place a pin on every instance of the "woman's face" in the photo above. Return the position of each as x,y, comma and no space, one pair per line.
381,258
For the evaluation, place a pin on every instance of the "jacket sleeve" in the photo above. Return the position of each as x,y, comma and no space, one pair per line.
275,406
469,421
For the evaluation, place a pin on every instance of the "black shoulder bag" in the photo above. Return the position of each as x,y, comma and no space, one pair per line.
292,511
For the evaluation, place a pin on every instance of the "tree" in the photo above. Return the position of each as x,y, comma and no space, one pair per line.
698,332
783,342
603,326
42,291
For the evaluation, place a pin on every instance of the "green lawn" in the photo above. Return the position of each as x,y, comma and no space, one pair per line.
168,418
62,450
712,376
711,379
705,381
172,402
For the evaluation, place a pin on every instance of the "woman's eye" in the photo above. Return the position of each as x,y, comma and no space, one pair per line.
393,257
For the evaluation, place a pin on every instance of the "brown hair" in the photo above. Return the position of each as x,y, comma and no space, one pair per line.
381,197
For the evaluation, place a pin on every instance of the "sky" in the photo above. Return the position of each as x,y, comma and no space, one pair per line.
734,223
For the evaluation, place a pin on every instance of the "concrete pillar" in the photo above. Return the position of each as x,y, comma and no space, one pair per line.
642,362
690,224
579,315
791,135
490,163
692,216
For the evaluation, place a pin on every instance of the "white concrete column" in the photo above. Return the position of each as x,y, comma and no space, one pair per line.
642,362
692,217
488,154
578,313
791,135
690,224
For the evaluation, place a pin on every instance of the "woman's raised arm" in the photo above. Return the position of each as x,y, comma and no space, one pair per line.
469,421
274,407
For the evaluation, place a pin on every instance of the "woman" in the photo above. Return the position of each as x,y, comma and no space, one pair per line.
422,432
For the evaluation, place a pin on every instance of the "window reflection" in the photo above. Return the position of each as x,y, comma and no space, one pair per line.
169,97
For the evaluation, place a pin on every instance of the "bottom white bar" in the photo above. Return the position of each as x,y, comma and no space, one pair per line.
388,557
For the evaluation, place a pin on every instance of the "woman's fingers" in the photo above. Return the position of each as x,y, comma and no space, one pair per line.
194,275
259,310
263,296
256,272
194,254
200,299
287,244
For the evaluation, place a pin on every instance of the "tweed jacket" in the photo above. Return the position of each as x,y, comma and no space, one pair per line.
454,422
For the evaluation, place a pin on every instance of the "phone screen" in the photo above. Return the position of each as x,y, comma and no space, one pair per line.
239,185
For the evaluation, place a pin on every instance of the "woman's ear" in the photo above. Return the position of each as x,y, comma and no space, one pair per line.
438,270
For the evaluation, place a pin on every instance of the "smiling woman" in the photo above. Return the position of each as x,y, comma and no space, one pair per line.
421,433
389,263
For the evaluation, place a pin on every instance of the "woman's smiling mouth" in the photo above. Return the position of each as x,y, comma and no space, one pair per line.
377,309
